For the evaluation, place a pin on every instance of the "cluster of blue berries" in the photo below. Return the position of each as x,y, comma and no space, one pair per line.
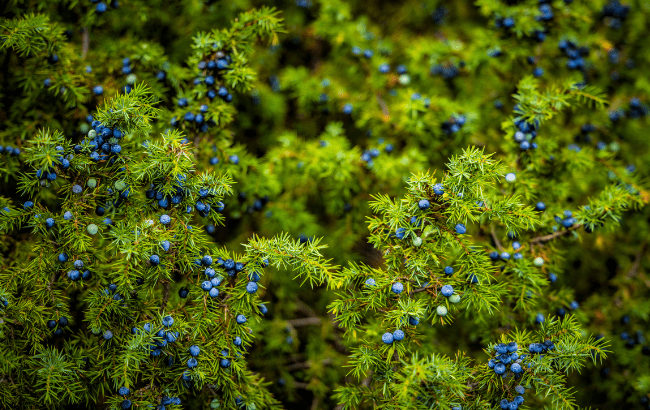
575,54
525,133
506,355
75,274
366,53
104,143
636,338
165,335
637,109
213,66
389,337
9,150
112,290
516,401
369,154
447,70
50,173
566,219
58,325
615,13
210,285
198,119
504,22
454,124
166,401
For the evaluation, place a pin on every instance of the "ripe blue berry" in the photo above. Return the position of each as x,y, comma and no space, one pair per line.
460,229
194,350
501,348
438,189
154,260
540,206
168,321
413,321
165,245
78,264
370,282
74,275
251,287
192,363
225,363
209,272
520,389
124,391
397,288
400,233
206,285
499,368
515,368
398,335
241,319
165,219
108,335
505,256
49,223
347,109
448,270
206,260
63,257
183,293
447,291
387,338
263,309
126,404
214,292
423,204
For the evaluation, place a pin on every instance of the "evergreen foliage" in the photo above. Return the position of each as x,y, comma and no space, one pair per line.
324,204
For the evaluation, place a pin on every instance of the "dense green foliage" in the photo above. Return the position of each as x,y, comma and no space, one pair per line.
386,192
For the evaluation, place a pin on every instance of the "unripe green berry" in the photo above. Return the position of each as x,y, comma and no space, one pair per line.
130,79
404,79
84,128
455,298
92,134
92,229
92,183
417,241
441,310
539,261
119,185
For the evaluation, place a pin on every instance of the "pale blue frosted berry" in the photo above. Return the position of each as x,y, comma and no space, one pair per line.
387,338
251,287
447,291
397,288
